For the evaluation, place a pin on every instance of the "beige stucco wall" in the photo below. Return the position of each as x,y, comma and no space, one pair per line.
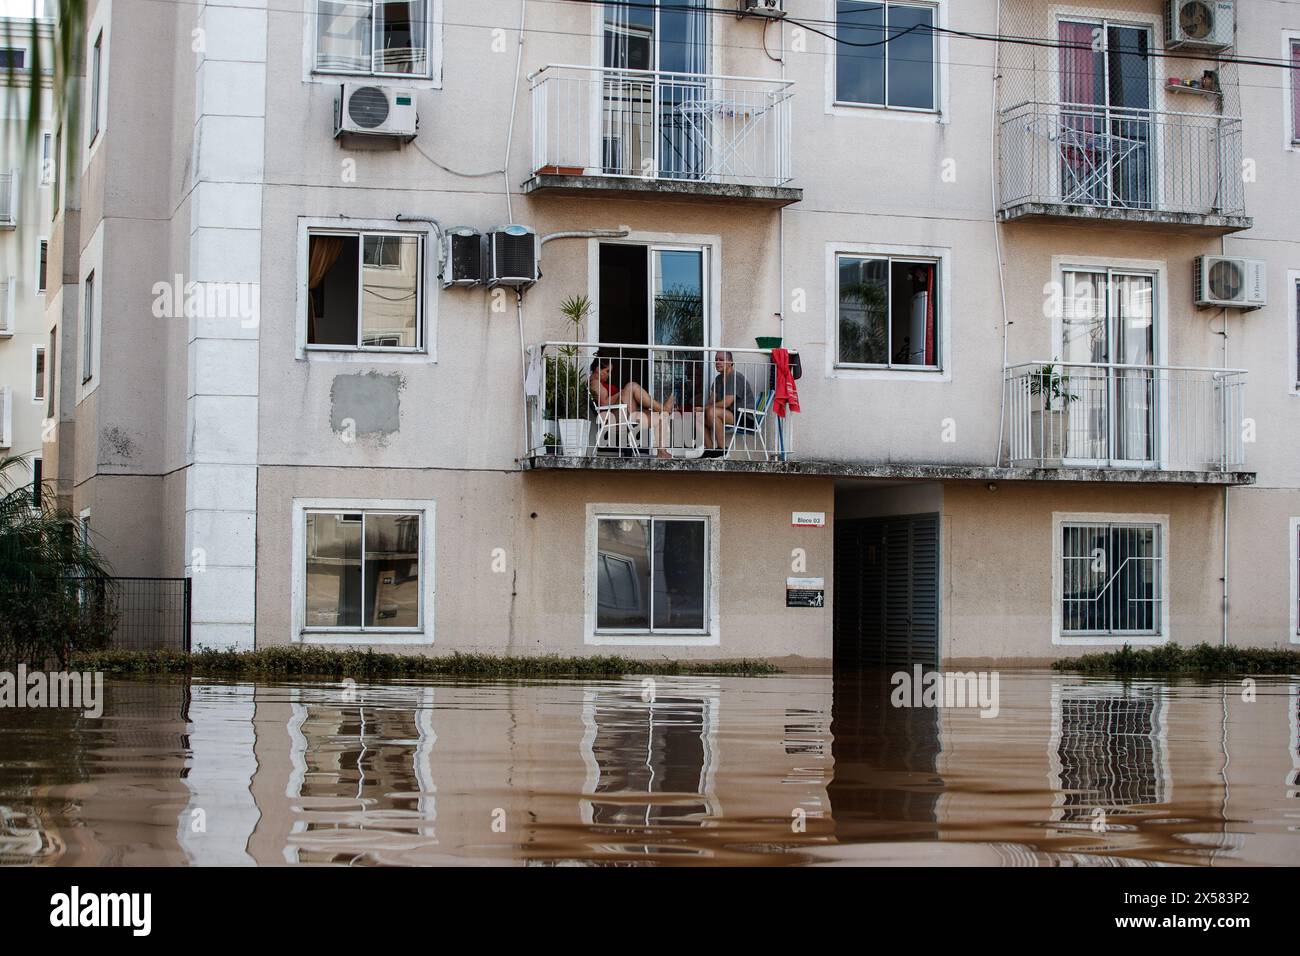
535,605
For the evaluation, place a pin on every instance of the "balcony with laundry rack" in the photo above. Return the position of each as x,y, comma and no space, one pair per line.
601,131
1070,162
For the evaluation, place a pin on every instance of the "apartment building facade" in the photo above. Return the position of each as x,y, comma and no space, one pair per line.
26,188
292,371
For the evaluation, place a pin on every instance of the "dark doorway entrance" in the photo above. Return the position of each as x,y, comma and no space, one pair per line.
887,590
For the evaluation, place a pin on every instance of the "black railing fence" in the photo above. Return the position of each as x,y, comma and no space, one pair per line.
149,614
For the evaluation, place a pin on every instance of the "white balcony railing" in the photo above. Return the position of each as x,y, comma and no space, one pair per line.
1128,416
654,125
1126,159
654,402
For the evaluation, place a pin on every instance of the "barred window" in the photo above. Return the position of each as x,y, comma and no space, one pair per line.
1111,578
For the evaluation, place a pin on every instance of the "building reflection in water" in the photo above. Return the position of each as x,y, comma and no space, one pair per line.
886,782
649,753
361,776
1109,751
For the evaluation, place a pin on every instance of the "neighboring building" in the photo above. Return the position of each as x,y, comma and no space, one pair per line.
26,168
1020,436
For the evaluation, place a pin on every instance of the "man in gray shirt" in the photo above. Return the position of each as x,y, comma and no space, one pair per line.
729,393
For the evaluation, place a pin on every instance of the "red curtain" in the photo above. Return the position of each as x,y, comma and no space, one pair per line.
929,316
1079,64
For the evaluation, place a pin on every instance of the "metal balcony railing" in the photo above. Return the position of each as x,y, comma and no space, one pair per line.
591,399
1125,159
1098,415
654,125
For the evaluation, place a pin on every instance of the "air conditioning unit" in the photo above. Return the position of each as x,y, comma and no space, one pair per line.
364,109
511,256
1230,283
462,257
1199,24
761,8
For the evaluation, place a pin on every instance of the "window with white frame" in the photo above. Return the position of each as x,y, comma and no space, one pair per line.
1294,616
49,361
887,312
374,37
42,264
1293,88
886,55
363,570
88,331
1295,331
652,574
365,290
1111,578
96,85
38,374
47,158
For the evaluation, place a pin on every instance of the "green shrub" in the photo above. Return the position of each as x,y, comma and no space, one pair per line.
291,661
1178,659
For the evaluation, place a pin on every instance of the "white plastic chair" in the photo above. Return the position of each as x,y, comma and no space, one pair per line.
616,430
752,422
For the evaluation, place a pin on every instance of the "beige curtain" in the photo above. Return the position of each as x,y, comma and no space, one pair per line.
322,253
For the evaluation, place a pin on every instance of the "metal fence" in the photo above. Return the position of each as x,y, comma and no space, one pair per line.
1152,416
1083,155
150,614
659,125
588,399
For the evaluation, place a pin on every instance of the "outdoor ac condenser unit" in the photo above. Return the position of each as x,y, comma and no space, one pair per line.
1230,282
512,256
762,8
463,254
364,109
1199,24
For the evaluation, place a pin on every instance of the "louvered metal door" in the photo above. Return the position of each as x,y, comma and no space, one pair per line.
887,590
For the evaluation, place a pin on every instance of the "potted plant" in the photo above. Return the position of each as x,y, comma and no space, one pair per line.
1049,424
566,383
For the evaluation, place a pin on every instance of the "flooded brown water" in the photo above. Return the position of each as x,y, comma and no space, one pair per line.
761,771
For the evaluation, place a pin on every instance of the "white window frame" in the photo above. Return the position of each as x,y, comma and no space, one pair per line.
1062,518
1290,89
96,73
42,279
47,158
1293,628
423,634
1293,331
38,375
83,525
89,317
712,634
942,257
709,246
431,80
938,114
426,352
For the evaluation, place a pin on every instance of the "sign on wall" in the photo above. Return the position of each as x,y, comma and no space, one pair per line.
808,519
805,592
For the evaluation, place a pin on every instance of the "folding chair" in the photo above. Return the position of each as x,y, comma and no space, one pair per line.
616,430
752,422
